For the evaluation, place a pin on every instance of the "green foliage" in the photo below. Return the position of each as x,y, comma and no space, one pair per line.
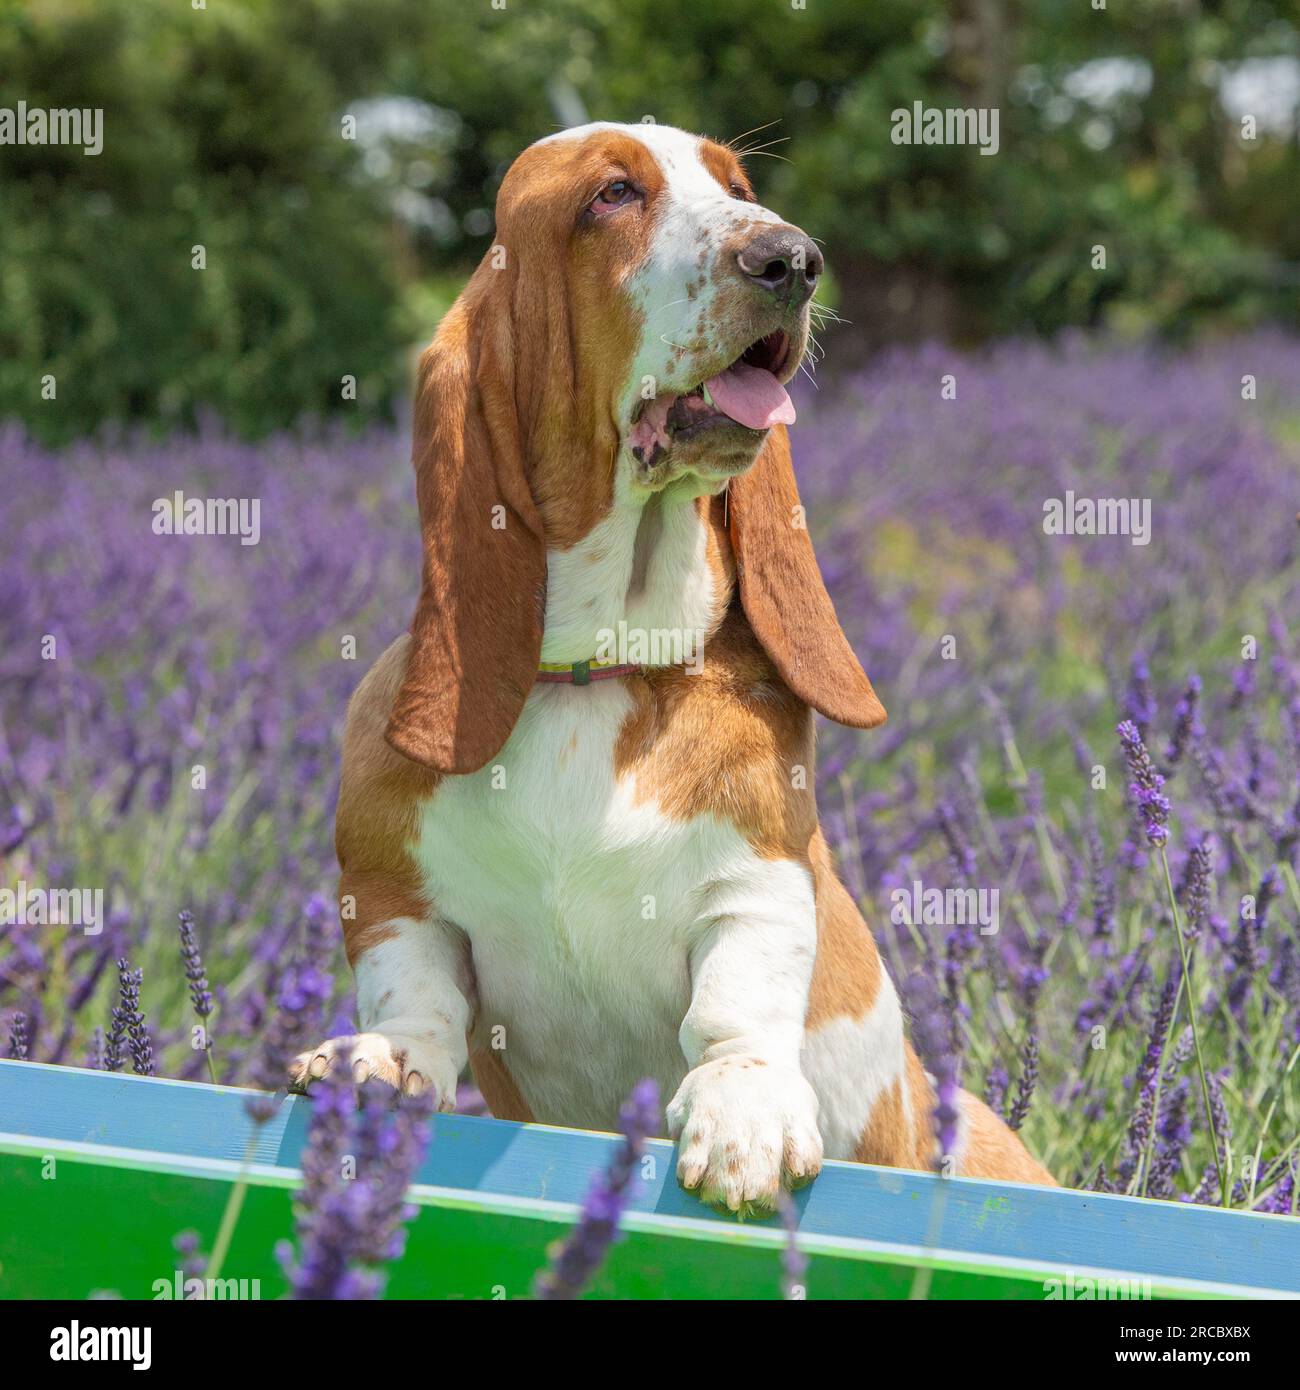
223,128
211,139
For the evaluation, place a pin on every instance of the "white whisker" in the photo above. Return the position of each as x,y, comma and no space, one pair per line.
672,305
753,130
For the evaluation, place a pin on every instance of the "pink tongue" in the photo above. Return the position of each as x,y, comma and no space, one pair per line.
751,396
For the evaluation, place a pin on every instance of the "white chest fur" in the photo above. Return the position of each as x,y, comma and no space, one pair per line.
643,568
581,901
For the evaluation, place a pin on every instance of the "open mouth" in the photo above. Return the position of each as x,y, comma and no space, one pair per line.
748,393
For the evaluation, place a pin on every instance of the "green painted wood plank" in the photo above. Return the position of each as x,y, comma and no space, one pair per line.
80,1218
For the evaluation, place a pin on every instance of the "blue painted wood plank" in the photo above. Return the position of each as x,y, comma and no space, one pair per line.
118,1108
1052,1228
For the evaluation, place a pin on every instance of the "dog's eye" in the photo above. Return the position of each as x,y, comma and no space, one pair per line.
614,195
738,190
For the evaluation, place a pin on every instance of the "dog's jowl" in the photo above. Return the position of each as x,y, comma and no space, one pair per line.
570,868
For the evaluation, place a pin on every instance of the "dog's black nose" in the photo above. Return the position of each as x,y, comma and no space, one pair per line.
784,261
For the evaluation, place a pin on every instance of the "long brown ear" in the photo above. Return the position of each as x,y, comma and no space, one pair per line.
477,634
784,597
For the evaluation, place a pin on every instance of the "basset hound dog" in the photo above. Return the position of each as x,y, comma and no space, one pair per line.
576,826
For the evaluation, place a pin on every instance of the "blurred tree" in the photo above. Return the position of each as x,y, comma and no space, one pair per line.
1121,128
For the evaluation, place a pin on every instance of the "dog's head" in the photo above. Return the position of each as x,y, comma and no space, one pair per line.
634,324
698,296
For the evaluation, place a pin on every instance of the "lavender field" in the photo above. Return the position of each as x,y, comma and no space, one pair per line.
171,707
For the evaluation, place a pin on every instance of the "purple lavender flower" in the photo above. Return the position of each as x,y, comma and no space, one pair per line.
1197,887
960,849
1282,1201
960,944
575,1260
115,1047
1265,894
362,1151
1068,913
1103,1182
1173,1130
295,1024
996,1085
1243,684
12,831
200,995
1117,996
1146,1082
1215,784
933,1036
1032,974
142,1060
1101,878
1285,975
1145,785
1208,1189
1140,1126
84,986
129,1026
192,1259
1293,720
1187,725
18,1041
1247,952
1256,758
1139,698
320,923
1161,1022
1025,1083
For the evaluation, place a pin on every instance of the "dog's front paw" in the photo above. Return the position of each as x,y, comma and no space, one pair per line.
408,1063
745,1128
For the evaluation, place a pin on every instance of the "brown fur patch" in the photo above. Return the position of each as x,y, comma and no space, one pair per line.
886,1139
725,166
576,377
991,1148
994,1150
499,1090
724,742
846,973
377,820
890,1137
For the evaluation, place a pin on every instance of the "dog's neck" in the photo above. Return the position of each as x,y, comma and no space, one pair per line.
656,570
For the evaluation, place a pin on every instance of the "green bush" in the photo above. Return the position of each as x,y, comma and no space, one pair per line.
219,133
